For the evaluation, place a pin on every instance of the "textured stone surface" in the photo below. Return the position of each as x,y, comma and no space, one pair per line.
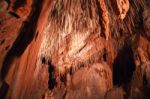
74,49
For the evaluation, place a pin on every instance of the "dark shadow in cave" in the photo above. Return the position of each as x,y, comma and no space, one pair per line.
19,3
14,14
2,42
3,90
123,66
52,80
43,60
26,35
146,87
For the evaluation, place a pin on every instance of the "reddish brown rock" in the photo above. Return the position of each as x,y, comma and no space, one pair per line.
115,93
74,49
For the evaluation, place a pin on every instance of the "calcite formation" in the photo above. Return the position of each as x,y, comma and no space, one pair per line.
74,49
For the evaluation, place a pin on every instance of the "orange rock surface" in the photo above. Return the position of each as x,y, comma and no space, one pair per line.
74,49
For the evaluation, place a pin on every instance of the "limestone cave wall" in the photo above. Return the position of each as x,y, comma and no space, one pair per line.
74,49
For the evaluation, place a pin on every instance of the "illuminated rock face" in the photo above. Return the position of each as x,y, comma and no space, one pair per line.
74,49
123,7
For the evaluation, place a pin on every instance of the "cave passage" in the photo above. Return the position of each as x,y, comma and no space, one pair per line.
123,66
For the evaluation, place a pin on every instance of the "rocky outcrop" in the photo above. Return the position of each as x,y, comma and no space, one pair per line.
74,49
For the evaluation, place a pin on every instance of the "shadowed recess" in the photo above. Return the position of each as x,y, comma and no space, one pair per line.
123,66
3,90
52,80
19,3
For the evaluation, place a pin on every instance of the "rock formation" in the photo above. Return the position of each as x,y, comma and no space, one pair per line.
74,49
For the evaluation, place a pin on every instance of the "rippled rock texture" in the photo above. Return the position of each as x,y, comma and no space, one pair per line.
74,49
